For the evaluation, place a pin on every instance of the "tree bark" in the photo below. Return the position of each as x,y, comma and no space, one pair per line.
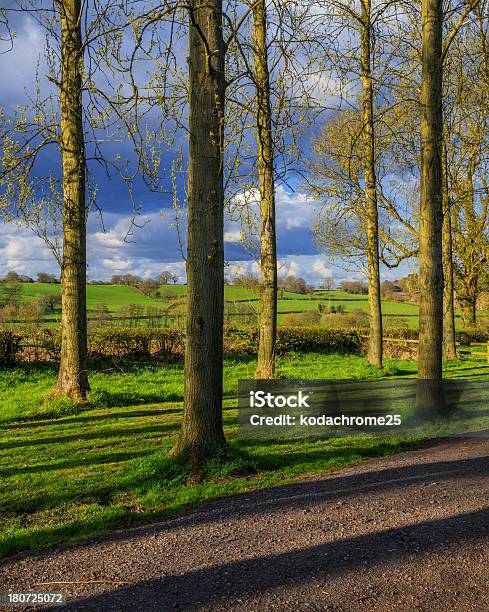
449,344
73,377
375,307
202,430
467,299
430,371
268,248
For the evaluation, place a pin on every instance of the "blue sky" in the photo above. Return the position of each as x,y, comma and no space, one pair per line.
154,246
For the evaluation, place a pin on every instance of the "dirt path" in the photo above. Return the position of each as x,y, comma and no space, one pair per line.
406,532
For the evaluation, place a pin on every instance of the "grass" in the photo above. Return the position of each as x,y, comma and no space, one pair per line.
114,296
117,296
86,472
23,390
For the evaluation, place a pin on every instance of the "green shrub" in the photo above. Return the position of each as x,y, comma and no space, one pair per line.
466,336
10,344
245,339
319,338
241,340
302,319
135,342
400,332
357,319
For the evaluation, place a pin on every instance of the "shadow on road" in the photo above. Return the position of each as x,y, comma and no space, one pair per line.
229,581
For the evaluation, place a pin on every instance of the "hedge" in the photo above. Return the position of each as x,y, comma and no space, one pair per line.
245,340
43,344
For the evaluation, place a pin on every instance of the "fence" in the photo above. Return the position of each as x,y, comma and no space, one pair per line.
414,341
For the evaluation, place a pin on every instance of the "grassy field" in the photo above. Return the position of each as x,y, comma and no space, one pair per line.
81,474
117,296
114,296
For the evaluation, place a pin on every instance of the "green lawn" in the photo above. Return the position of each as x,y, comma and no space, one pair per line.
74,477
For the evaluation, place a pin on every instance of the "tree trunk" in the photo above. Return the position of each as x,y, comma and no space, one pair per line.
73,377
450,347
268,249
467,299
202,431
375,308
430,371
469,281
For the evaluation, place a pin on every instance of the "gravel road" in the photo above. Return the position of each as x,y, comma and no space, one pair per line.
405,532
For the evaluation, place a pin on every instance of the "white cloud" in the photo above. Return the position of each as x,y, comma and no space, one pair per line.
117,265
233,236
294,209
320,268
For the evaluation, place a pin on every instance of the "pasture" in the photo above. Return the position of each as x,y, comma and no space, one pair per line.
116,297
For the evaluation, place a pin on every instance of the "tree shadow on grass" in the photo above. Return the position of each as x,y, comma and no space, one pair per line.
92,460
89,418
161,428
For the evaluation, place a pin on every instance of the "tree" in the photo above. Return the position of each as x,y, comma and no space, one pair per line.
337,181
467,164
388,288
50,301
265,150
375,308
11,277
429,393
355,287
295,284
43,277
272,86
410,284
10,294
449,344
167,278
201,430
73,371
81,40
327,284
148,287
248,281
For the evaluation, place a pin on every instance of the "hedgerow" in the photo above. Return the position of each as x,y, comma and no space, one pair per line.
43,344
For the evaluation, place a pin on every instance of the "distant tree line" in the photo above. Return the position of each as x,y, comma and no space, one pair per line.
42,277
291,284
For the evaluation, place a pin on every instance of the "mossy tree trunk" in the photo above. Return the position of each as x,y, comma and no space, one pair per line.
268,249
375,307
449,344
202,430
429,389
73,378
